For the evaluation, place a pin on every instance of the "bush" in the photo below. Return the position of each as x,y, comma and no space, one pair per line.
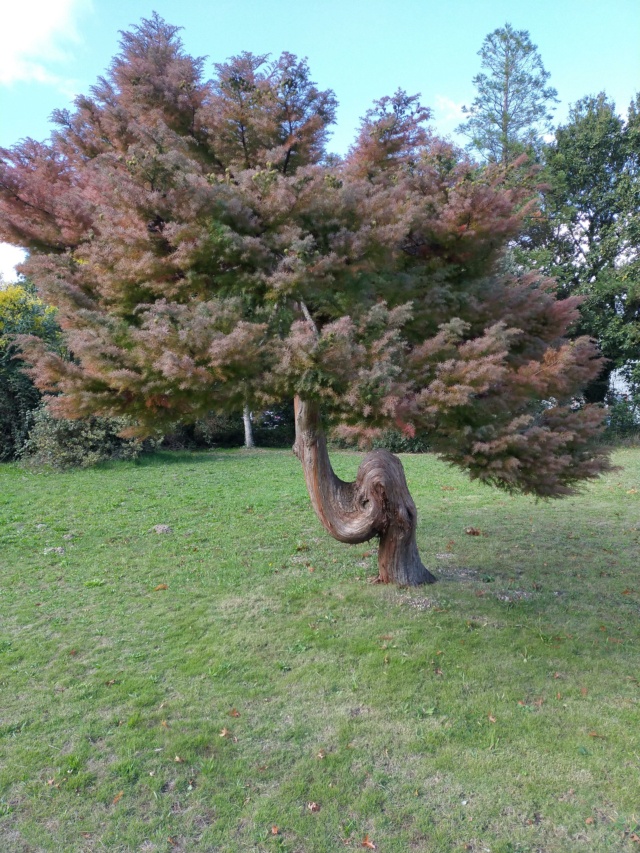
623,420
21,313
60,443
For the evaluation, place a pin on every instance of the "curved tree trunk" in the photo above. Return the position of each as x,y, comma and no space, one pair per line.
378,503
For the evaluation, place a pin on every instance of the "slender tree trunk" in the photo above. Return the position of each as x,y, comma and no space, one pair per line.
377,503
248,428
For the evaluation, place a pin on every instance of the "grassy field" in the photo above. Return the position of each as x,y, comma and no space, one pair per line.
234,683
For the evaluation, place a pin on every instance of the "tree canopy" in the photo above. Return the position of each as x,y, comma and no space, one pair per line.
513,105
587,231
203,252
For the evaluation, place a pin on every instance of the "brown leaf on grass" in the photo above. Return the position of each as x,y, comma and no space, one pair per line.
368,843
165,724
110,683
595,734
313,807
492,719
118,797
172,841
583,691
321,754
86,834
178,760
438,671
635,837
473,531
275,830
161,586
73,652
628,591
589,820
632,491
557,675
539,702
51,782
225,732
234,712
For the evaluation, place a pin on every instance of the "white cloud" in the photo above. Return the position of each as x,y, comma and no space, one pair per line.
9,257
35,36
448,111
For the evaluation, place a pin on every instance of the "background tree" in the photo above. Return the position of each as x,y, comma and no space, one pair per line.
513,106
202,256
21,313
587,231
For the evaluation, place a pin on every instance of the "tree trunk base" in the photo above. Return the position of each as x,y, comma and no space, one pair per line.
377,504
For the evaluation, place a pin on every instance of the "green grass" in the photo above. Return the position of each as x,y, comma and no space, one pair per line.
497,710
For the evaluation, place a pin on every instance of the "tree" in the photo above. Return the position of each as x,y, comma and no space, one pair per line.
513,106
21,312
203,256
587,231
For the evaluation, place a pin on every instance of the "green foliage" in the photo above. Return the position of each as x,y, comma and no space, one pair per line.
61,443
587,231
21,313
513,105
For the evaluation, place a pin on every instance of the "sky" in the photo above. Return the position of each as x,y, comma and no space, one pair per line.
51,50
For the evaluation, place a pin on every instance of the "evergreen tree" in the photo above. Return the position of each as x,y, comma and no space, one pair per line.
513,105
202,256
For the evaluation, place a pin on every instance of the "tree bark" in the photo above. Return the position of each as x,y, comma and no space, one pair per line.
376,504
248,428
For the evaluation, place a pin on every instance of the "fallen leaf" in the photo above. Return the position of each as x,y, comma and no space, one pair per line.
117,797
225,732
589,820
556,675
631,491
438,671
165,724
492,719
73,652
234,712
110,683
595,734
321,754
179,760
368,843
635,837
584,691
313,807
161,586
51,781
86,835
558,695
171,841
473,531
275,830
539,702
312,568
627,591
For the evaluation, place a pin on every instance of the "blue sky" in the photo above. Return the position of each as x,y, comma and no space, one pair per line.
362,49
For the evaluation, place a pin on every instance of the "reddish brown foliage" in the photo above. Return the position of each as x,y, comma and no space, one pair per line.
187,229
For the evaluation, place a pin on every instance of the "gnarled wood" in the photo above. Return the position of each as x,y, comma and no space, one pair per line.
377,503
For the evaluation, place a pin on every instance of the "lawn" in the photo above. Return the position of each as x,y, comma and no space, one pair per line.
189,663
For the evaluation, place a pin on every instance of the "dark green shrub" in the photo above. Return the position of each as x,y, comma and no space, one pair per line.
60,443
21,313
